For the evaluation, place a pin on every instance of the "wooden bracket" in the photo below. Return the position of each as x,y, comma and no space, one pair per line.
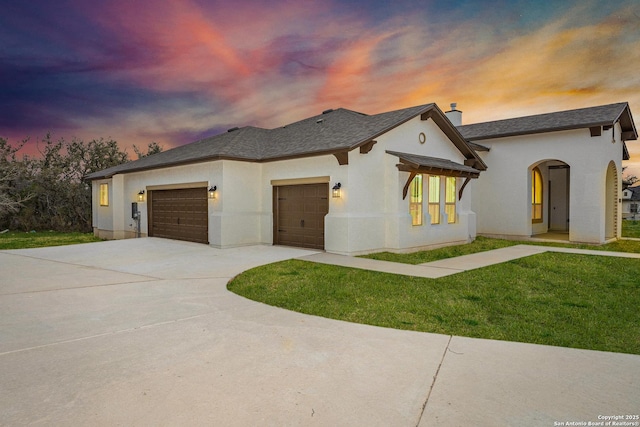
464,184
342,157
365,148
405,190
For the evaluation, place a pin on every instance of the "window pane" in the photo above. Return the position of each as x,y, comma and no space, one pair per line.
434,199
415,200
416,213
450,209
450,199
451,190
104,194
536,195
434,211
416,189
434,189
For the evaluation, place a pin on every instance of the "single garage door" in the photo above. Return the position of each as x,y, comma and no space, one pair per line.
179,214
299,212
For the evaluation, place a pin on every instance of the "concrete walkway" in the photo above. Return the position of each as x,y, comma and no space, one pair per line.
144,332
446,267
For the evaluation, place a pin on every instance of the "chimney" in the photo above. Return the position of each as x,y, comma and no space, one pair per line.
455,116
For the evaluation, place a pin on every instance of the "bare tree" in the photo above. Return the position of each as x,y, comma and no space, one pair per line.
152,148
10,175
628,180
51,191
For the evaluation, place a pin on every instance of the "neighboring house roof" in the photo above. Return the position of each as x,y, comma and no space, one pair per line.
635,193
332,132
592,117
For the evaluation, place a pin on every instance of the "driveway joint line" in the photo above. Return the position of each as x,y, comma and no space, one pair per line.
92,267
81,287
104,334
433,383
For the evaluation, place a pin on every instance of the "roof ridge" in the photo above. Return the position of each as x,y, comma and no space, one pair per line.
621,104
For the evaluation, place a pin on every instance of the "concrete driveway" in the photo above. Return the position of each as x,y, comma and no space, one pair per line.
144,332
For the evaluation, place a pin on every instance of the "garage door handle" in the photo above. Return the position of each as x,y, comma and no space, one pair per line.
302,223
178,221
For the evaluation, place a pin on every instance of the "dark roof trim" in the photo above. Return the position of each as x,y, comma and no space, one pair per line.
582,118
433,165
478,147
454,135
625,152
259,145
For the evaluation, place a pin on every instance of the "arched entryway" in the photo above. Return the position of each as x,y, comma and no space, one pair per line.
611,205
550,183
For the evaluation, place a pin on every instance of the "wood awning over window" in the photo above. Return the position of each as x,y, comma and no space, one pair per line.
415,164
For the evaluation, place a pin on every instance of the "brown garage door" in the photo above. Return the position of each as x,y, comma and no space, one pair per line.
299,212
179,214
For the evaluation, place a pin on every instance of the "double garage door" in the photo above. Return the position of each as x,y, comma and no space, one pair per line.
299,212
179,214
298,217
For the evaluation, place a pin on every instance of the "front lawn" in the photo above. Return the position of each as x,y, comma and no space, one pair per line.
482,244
20,239
631,228
567,300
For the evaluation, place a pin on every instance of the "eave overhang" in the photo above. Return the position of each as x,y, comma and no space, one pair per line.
415,164
433,165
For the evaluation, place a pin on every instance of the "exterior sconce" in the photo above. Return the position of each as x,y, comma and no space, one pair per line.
141,196
212,192
336,190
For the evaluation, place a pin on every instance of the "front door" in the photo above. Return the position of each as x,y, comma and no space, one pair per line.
559,198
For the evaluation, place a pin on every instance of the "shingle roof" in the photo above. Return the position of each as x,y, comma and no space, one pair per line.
331,132
435,163
603,115
635,193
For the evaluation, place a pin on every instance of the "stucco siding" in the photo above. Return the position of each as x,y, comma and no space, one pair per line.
503,193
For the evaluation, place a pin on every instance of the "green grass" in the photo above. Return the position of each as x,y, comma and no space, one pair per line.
22,240
568,300
631,228
482,244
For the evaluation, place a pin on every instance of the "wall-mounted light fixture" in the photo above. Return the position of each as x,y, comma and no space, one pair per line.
141,196
212,192
336,190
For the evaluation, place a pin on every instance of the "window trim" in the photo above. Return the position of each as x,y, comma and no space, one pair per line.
537,205
434,199
104,194
450,208
416,193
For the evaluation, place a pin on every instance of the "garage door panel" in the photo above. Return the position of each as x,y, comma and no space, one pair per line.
180,214
299,212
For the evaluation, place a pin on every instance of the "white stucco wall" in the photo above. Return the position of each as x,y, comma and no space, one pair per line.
369,216
116,222
372,198
502,195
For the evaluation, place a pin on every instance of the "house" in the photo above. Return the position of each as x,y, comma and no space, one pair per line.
631,203
352,183
556,172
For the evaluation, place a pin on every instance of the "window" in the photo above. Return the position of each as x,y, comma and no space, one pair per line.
415,200
634,208
536,195
434,199
104,194
450,199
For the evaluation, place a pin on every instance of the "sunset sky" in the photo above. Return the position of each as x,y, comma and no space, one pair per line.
178,70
